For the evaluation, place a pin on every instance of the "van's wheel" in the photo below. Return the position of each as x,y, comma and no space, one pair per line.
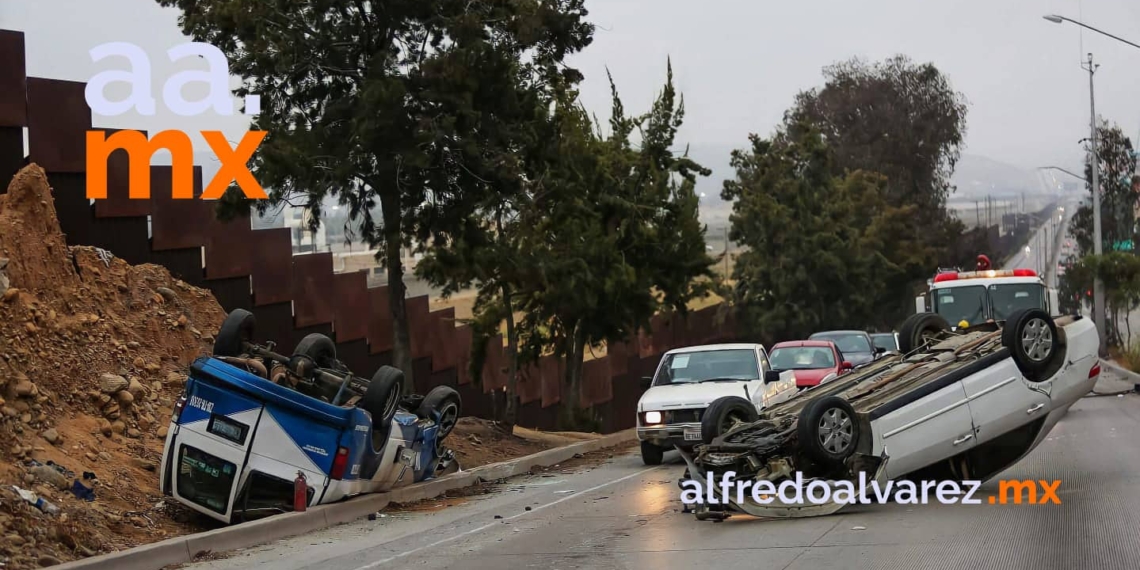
382,400
724,414
828,430
442,405
318,348
236,330
1031,337
651,454
921,330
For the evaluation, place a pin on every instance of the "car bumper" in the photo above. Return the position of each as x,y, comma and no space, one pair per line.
669,435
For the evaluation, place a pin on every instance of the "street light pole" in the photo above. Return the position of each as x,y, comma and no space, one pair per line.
1098,247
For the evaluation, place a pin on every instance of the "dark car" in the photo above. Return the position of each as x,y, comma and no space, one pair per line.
856,346
814,362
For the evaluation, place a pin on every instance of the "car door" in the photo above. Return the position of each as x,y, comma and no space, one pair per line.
1002,400
922,427
780,391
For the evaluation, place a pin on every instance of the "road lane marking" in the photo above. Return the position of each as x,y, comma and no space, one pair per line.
377,563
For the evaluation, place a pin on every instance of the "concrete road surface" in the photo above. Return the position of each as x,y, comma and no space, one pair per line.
622,515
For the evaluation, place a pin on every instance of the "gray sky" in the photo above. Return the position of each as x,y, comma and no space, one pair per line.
739,63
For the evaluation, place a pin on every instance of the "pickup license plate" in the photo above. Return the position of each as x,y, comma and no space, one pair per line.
692,434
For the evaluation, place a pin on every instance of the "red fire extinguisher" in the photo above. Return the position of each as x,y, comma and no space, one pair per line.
300,493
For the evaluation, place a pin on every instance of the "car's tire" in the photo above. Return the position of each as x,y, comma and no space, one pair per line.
724,414
318,348
382,400
651,454
444,402
1031,337
918,329
828,430
236,330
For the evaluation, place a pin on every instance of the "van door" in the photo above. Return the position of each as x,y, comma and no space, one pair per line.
917,430
1002,400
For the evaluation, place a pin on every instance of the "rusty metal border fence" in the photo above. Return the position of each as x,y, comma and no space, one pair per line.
294,295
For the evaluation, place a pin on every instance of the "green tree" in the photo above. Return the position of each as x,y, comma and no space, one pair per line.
818,245
385,105
905,121
620,239
1120,273
1119,195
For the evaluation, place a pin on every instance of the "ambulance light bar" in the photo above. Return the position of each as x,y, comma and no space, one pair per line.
955,276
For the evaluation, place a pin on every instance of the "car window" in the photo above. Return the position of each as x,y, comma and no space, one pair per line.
802,358
690,367
884,341
847,342
1011,297
959,304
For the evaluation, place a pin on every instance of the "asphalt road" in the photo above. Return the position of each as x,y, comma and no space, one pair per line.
622,515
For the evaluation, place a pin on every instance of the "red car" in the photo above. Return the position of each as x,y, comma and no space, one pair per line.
813,361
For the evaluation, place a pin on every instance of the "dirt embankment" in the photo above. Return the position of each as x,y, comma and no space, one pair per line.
93,354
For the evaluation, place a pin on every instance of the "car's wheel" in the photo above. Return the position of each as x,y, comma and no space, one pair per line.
724,414
382,400
1031,337
236,330
920,330
318,348
828,430
441,405
651,454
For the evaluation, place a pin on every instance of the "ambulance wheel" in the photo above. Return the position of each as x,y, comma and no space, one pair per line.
318,348
921,330
382,398
236,330
441,405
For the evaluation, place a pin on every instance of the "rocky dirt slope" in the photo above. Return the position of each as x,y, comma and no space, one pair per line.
93,353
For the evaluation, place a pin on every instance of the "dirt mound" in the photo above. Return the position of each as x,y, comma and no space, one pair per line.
93,353
479,442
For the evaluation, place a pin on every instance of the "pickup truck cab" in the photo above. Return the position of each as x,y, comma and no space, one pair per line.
689,379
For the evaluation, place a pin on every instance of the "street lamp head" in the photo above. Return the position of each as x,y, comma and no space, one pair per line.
1054,18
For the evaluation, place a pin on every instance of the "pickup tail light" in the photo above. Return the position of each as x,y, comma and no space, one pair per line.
340,463
1095,370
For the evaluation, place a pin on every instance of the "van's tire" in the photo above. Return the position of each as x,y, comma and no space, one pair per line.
651,454
828,430
444,402
318,348
236,330
917,329
1032,340
382,400
724,414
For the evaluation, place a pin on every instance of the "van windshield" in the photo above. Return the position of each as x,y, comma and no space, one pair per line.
693,367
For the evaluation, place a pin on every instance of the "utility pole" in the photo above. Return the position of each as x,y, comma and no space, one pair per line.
1094,160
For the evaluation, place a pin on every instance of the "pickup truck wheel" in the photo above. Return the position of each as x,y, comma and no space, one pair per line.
382,400
441,405
236,330
651,454
1031,337
828,430
724,414
920,330
318,348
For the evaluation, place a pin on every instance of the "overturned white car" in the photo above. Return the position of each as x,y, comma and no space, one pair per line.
952,406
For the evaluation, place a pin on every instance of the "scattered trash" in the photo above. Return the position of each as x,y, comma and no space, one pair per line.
36,501
578,456
89,476
564,492
371,516
527,508
82,492
498,516
858,528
